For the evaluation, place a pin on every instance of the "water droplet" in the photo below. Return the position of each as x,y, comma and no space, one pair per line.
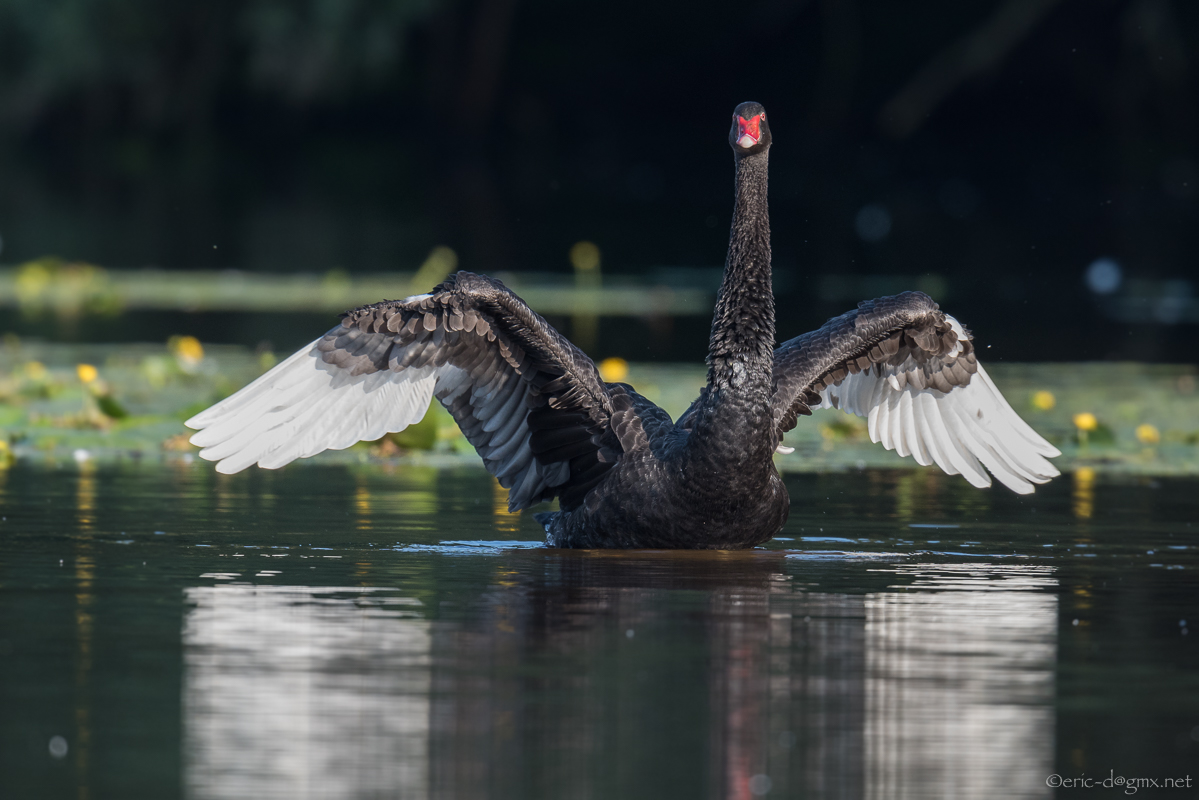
58,747
1104,276
760,784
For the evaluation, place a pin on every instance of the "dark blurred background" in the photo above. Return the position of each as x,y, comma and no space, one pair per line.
1032,163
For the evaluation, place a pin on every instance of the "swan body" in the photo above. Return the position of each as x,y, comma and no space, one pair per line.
626,474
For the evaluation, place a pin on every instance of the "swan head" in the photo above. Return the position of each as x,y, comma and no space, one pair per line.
750,133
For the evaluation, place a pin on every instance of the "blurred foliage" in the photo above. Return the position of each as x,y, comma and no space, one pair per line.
133,399
441,262
168,62
111,402
999,146
79,292
843,428
68,288
110,407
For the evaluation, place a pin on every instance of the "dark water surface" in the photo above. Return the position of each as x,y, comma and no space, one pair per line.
329,632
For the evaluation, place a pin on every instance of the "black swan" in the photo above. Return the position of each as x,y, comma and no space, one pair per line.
625,474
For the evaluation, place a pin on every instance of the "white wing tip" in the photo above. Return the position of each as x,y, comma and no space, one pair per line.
201,420
977,479
225,466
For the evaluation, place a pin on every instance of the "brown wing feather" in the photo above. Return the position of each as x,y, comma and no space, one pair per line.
911,371
887,331
530,402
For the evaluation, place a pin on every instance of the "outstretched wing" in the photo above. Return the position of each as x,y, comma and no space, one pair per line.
911,370
531,403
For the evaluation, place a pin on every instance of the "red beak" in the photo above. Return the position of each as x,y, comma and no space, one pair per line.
749,131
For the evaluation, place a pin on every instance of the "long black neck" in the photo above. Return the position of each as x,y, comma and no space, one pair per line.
733,433
742,341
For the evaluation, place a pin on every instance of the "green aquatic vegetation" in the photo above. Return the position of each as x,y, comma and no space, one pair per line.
72,290
421,436
113,401
844,428
10,415
110,407
1089,431
68,288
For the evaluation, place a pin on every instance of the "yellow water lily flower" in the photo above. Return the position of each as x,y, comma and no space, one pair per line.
1043,400
614,370
86,372
1086,421
187,348
1147,434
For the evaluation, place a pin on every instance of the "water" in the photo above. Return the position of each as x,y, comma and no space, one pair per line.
329,632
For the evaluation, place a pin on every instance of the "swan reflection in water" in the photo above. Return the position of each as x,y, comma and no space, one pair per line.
593,675
298,692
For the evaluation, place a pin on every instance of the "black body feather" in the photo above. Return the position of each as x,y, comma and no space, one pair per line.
626,475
